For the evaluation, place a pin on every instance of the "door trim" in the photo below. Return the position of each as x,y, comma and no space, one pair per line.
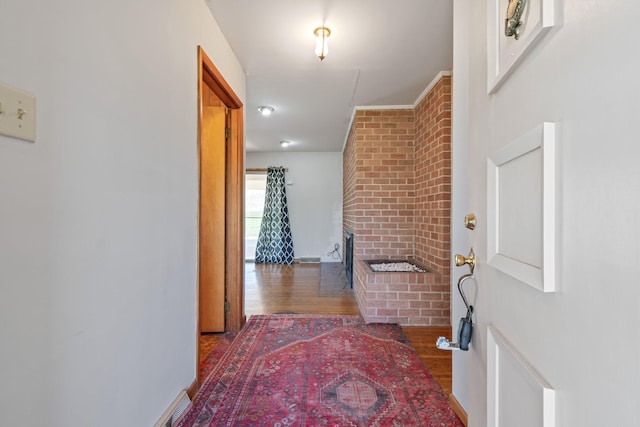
208,75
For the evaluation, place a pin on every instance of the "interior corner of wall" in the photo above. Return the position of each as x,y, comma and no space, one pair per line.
436,79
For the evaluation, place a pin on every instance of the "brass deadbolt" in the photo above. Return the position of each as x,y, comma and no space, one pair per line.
470,221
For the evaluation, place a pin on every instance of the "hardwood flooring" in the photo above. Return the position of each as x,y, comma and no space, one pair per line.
298,288
438,362
323,289
208,342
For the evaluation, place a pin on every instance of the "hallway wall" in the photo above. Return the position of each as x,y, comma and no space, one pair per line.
98,217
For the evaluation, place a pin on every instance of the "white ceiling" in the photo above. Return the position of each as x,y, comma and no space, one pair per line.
381,53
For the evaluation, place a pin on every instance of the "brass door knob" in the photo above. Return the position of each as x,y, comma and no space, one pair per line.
470,260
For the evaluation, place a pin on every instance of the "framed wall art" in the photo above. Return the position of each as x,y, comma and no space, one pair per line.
513,28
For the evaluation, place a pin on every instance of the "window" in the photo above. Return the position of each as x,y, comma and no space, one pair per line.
255,187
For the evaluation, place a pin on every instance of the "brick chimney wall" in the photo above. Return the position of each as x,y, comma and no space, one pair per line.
350,220
397,192
433,178
379,180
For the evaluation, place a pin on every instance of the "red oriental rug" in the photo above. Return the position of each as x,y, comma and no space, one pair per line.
314,370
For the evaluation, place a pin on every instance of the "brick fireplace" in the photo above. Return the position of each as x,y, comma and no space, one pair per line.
397,200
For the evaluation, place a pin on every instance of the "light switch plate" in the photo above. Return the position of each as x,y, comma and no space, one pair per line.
17,113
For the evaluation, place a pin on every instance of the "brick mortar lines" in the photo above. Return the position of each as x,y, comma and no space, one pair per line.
401,154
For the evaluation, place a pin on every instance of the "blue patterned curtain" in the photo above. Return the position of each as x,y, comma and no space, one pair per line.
274,241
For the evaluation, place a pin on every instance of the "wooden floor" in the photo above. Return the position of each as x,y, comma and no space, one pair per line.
322,289
298,288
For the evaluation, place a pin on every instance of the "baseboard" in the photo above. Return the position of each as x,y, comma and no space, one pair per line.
192,389
458,409
174,411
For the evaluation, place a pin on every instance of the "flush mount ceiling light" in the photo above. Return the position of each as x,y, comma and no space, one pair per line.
322,34
265,111
285,144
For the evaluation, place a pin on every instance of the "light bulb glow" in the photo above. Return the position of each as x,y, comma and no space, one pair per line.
265,111
322,35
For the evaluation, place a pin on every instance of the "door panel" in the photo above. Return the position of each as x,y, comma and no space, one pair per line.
521,211
212,219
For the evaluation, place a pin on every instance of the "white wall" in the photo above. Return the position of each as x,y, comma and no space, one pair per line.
314,199
583,339
98,216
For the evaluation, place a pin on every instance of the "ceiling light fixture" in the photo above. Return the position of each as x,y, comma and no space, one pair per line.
265,111
285,144
322,34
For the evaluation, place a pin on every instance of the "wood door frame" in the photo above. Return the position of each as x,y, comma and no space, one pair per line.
209,76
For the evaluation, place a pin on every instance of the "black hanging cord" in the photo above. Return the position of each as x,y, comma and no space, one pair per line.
335,253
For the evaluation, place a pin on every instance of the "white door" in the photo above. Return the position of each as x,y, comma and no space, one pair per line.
553,178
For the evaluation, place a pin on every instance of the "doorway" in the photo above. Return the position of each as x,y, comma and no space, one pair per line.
221,200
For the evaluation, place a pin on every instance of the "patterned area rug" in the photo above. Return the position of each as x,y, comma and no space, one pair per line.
306,370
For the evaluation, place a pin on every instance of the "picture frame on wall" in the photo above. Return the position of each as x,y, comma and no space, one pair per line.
513,28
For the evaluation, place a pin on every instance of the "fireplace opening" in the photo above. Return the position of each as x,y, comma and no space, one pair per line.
348,257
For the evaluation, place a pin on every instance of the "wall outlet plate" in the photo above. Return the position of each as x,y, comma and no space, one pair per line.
17,113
